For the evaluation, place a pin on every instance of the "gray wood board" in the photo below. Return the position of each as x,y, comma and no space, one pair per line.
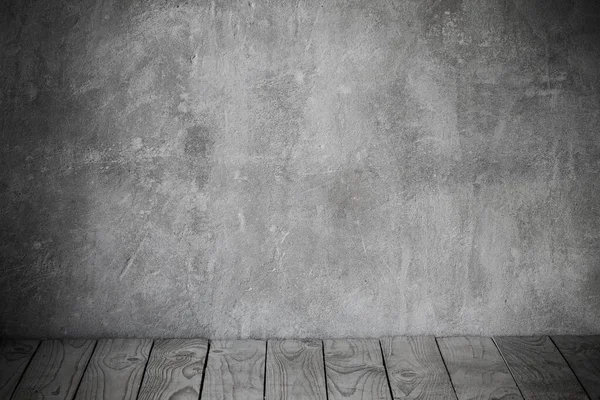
174,370
115,370
235,370
477,369
14,357
55,370
539,369
583,355
354,369
416,369
295,370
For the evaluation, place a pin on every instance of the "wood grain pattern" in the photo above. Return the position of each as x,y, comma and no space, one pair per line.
115,370
415,368
235,370
295,370
14,357
539,369
174,370
354,369
477,369
583,355
55,370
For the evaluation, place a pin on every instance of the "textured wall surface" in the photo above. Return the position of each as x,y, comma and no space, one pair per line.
299,168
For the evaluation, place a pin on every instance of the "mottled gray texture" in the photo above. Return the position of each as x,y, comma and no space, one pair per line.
299,168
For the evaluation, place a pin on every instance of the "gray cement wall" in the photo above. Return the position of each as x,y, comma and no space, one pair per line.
299,168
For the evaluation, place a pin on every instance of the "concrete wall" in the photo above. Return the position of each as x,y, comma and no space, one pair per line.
299,168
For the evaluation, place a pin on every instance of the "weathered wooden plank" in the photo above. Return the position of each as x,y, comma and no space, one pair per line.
235,370
539,369
295,370
115,370
174,370
14,357
416,369
354,369
477,369
583,355
55,370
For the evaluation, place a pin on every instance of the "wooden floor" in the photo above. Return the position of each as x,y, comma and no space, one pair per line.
558,367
